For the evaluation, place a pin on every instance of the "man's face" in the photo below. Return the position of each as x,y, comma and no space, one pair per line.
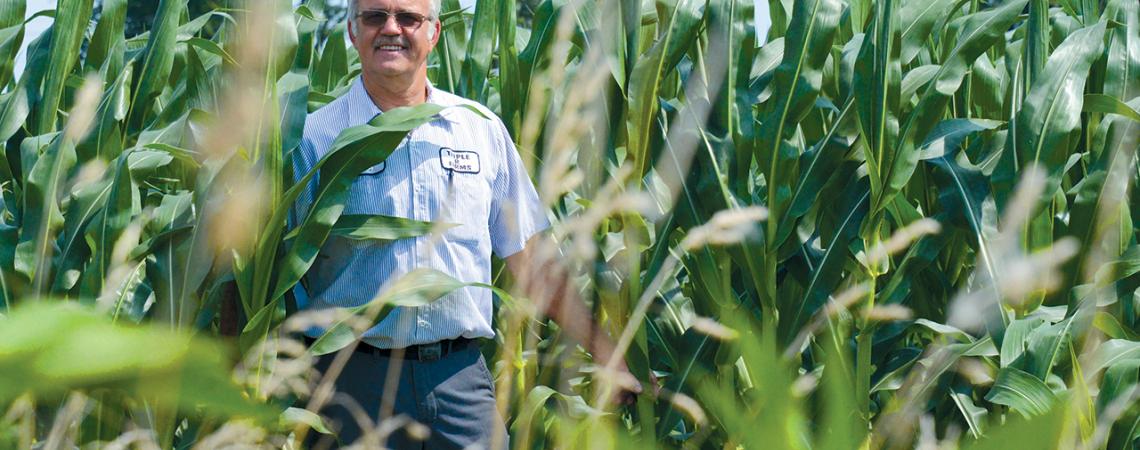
388,47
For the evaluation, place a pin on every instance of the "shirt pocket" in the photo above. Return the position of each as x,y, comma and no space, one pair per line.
467,204
371,193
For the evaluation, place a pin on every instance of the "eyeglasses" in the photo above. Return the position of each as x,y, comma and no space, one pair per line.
379,18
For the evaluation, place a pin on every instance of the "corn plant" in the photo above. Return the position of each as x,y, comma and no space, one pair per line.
889,224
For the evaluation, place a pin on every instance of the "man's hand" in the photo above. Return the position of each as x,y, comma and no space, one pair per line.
543,278
626,387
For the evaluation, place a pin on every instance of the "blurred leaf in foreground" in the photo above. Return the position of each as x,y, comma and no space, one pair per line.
48,349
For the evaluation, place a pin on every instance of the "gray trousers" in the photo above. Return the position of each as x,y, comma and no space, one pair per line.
452,397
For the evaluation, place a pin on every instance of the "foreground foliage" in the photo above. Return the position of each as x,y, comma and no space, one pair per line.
892,224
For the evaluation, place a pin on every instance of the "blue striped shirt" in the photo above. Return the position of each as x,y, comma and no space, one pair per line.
461,168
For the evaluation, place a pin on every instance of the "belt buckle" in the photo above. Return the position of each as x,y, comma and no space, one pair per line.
430,352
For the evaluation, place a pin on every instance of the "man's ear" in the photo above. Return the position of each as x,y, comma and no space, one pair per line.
351,32
438,30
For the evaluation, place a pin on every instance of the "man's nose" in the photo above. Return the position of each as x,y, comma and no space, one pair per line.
390,26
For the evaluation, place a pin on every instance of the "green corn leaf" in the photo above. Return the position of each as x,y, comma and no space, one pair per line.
8,280
107,226
191,91
829,270
1122,63
417,288
915,79
293,416
877,82
1048,124
375,227
67,35
736,110
1022,392
1115,387
973,414
42,217
1016,339
168,268
1041,432
307,25
212,48
51,348
1036,41
1112,328
798,79
1106,104
1048,345
157,61
840,424
538,48
38,60
477,57
1114,352
987,89
15,107
452,42
1047,128
11,37
333,63
85,204
917,19
817,165
698,348
284,51
13,110
979,32
679,29
510,82
767,59
920,256
1100,210
963,190
294,89
104,140
106,46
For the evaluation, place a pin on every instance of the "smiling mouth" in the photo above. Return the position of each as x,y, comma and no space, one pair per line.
390,48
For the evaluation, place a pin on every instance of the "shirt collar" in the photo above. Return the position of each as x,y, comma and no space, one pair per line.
361,109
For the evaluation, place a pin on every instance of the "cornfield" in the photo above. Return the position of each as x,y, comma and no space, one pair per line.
883,224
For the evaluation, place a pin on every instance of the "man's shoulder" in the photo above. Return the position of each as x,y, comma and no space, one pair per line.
484,113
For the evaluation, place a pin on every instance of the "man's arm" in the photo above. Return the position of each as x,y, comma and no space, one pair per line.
544,279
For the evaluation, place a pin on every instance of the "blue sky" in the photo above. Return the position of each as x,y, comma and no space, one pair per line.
37,26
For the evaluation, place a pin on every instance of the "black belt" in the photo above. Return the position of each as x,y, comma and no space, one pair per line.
420,352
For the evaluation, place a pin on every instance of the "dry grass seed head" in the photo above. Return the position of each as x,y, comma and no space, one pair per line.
292,363
714,329
234,435
82,115
726,227
902,239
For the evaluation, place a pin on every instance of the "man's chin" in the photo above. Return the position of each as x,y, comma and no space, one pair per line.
390,70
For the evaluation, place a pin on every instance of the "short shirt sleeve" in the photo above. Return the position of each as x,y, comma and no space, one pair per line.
517,214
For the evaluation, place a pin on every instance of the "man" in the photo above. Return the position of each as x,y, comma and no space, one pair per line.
461,168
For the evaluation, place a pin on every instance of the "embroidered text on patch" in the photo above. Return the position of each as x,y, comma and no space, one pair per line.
462,161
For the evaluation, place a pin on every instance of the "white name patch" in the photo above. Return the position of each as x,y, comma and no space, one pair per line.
462,161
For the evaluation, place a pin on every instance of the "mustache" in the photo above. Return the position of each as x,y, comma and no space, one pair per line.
385,40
